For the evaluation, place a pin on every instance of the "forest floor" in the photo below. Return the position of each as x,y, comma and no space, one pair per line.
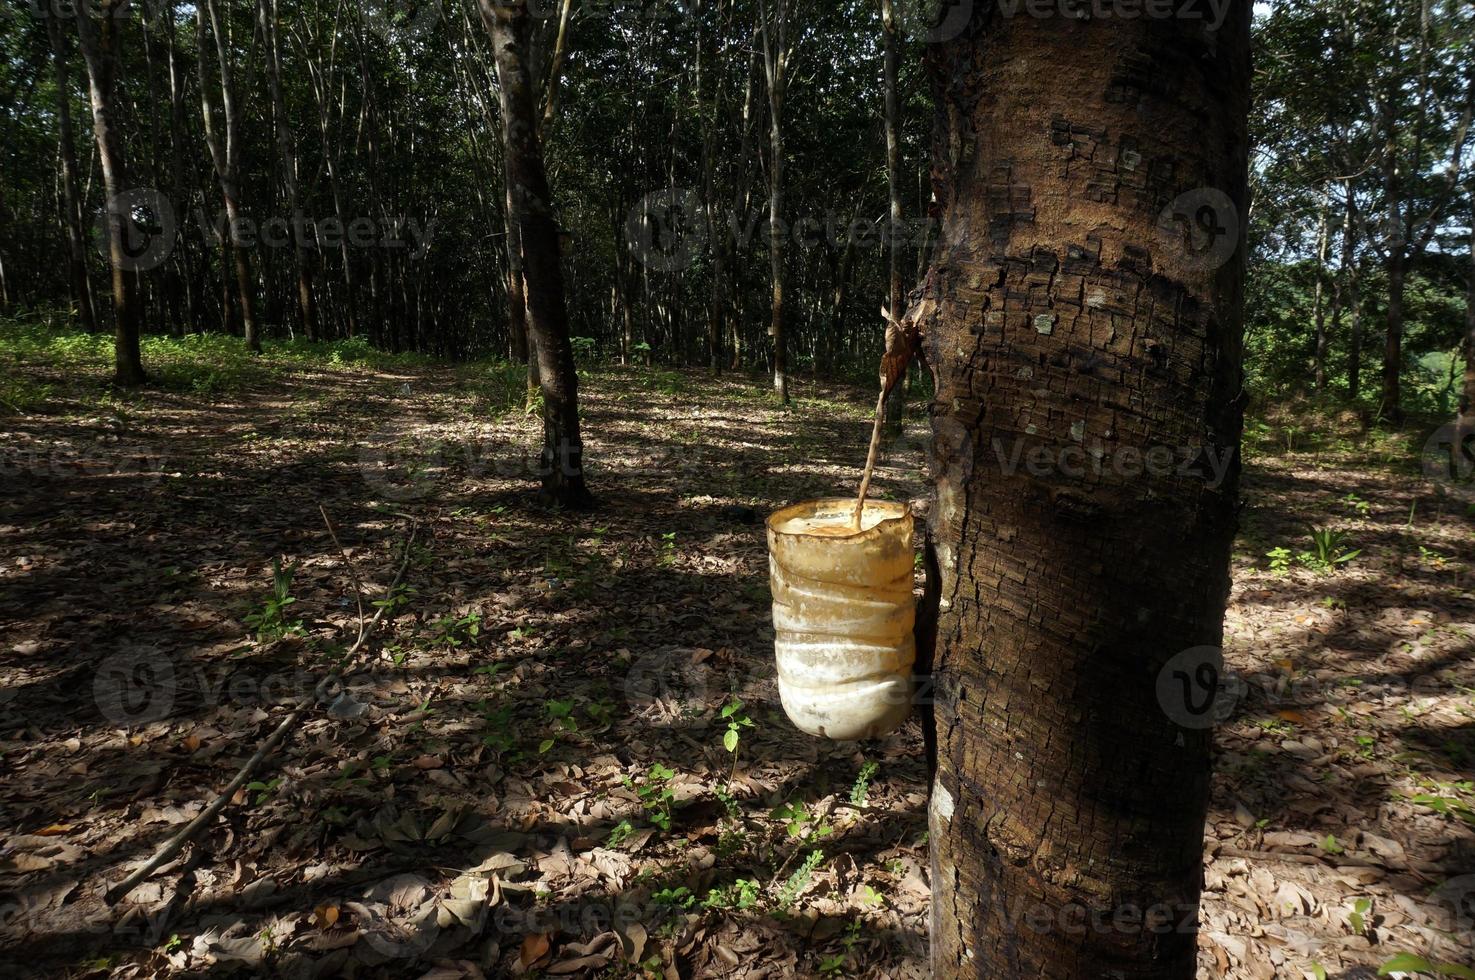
524,770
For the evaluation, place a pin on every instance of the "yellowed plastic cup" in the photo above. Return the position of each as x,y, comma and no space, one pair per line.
842,616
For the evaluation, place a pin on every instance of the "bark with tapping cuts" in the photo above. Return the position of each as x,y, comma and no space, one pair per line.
776,52
532,210
226,159
99,41
307,309
1061,321
71,197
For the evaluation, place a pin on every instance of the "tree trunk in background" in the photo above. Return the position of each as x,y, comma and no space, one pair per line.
776,69
99,41
1391,408
307,310
1068,322
71,197
896,400
532,210
1318,355
1467,391
226,158
1354,294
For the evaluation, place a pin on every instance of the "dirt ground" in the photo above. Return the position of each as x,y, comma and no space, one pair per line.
523,772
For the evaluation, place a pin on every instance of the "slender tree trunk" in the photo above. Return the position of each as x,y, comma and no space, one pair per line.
71,197
1467,391
532,210
1392,401
896,399
1350,268
776,69
1318,355
1064,791
99,42
306,298
226,159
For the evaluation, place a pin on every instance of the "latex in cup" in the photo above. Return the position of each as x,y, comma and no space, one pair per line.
842,616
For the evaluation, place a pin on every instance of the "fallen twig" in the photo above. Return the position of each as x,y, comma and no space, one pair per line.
176,843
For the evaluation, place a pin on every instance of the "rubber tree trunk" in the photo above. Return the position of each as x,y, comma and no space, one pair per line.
99,40
896,400
71,197
307,310
1070,322
532,211
1319,340
1467,391
775,66
1392,399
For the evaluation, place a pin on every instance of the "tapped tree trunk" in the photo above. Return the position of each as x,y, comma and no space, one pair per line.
532,212
99,41
71,197
1067,326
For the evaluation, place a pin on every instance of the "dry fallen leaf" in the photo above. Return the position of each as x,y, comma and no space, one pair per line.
535,949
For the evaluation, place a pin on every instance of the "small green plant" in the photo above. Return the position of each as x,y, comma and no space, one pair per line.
680,898
1330,845
1280,560
668,548
799,821
454,632
586,349
263,791
561,713
399,597
862,787
1330,547
799,880
1357,918
620,833
1358,506
1410,963
270,621
656,797
741,894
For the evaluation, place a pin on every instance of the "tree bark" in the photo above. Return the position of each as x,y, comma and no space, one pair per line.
532,211
307,311
896,399
1060,322
99,41
71,197
226,159
776,70
1318,354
